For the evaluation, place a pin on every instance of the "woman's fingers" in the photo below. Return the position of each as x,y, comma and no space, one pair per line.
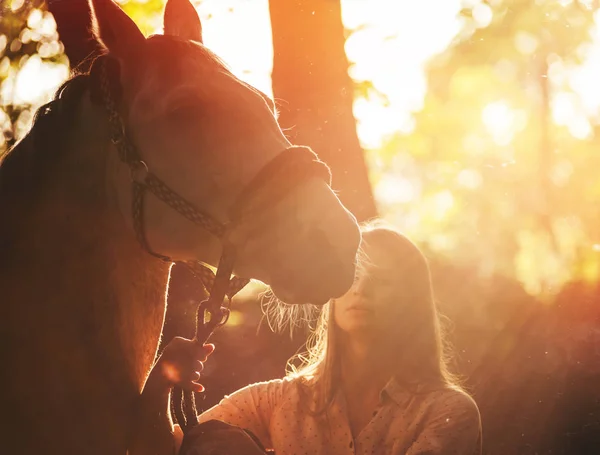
191,386
184,347
203,351
191,374
193,377
197,387
183,361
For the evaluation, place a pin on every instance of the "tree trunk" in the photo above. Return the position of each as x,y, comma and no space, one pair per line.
73,22
315,93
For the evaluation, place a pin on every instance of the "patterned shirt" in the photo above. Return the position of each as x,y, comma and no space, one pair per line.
422,422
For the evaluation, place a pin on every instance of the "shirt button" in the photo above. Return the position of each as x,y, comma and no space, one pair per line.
351,444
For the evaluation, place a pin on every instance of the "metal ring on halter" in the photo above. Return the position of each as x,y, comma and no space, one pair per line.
217,318
205,308
225,313
138,171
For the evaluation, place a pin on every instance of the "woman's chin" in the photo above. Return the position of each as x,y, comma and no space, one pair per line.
358,322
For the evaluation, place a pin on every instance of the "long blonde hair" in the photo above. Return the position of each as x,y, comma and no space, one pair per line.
427,360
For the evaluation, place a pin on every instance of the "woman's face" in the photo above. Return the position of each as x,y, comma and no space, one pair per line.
368,306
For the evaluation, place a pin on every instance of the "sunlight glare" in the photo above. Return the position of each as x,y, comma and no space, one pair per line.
499,120
240,33
583,79
236,318
47,26
441,242
35,18
580,128
389,119
30,88
16,5
4,121
563,108
469,178
567,111
391,49
526,43
557,72
393,189
443,203
483,15
252,289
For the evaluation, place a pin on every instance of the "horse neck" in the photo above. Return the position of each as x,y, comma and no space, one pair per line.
83,299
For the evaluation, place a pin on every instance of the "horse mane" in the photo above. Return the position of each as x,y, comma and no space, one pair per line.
39,163
25,167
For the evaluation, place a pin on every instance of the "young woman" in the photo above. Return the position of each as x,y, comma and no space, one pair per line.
375,380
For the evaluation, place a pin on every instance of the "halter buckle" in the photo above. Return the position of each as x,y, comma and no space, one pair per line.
225,313
217,318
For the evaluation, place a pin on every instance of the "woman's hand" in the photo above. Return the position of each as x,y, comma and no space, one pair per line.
181,363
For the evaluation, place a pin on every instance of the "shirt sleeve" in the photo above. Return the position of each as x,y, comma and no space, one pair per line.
250,408
452,426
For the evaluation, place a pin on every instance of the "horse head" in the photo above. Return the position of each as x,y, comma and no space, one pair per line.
207,135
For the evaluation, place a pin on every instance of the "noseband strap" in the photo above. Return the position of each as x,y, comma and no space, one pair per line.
276,180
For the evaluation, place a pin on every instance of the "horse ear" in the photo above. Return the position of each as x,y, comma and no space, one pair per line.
114,29
181,19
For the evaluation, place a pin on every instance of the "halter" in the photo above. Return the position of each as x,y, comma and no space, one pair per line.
283,174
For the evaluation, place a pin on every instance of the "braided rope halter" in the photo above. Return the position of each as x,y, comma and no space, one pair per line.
272,183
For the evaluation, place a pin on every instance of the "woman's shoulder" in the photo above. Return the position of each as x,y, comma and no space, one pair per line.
274,389
278,383
450,399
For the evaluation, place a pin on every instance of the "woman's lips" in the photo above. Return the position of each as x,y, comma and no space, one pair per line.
360,308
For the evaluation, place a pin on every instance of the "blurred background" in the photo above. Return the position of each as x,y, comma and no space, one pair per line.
471,125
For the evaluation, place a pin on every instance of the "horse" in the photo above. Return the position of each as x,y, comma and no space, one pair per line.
83,300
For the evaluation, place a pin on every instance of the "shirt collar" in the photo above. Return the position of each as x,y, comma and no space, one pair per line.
402,392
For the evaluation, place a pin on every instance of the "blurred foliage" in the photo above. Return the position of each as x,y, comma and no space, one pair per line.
147,14
28,43
501,167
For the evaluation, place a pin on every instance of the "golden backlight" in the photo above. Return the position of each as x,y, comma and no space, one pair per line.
437,152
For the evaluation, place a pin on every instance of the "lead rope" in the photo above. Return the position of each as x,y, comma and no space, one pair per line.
183,403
